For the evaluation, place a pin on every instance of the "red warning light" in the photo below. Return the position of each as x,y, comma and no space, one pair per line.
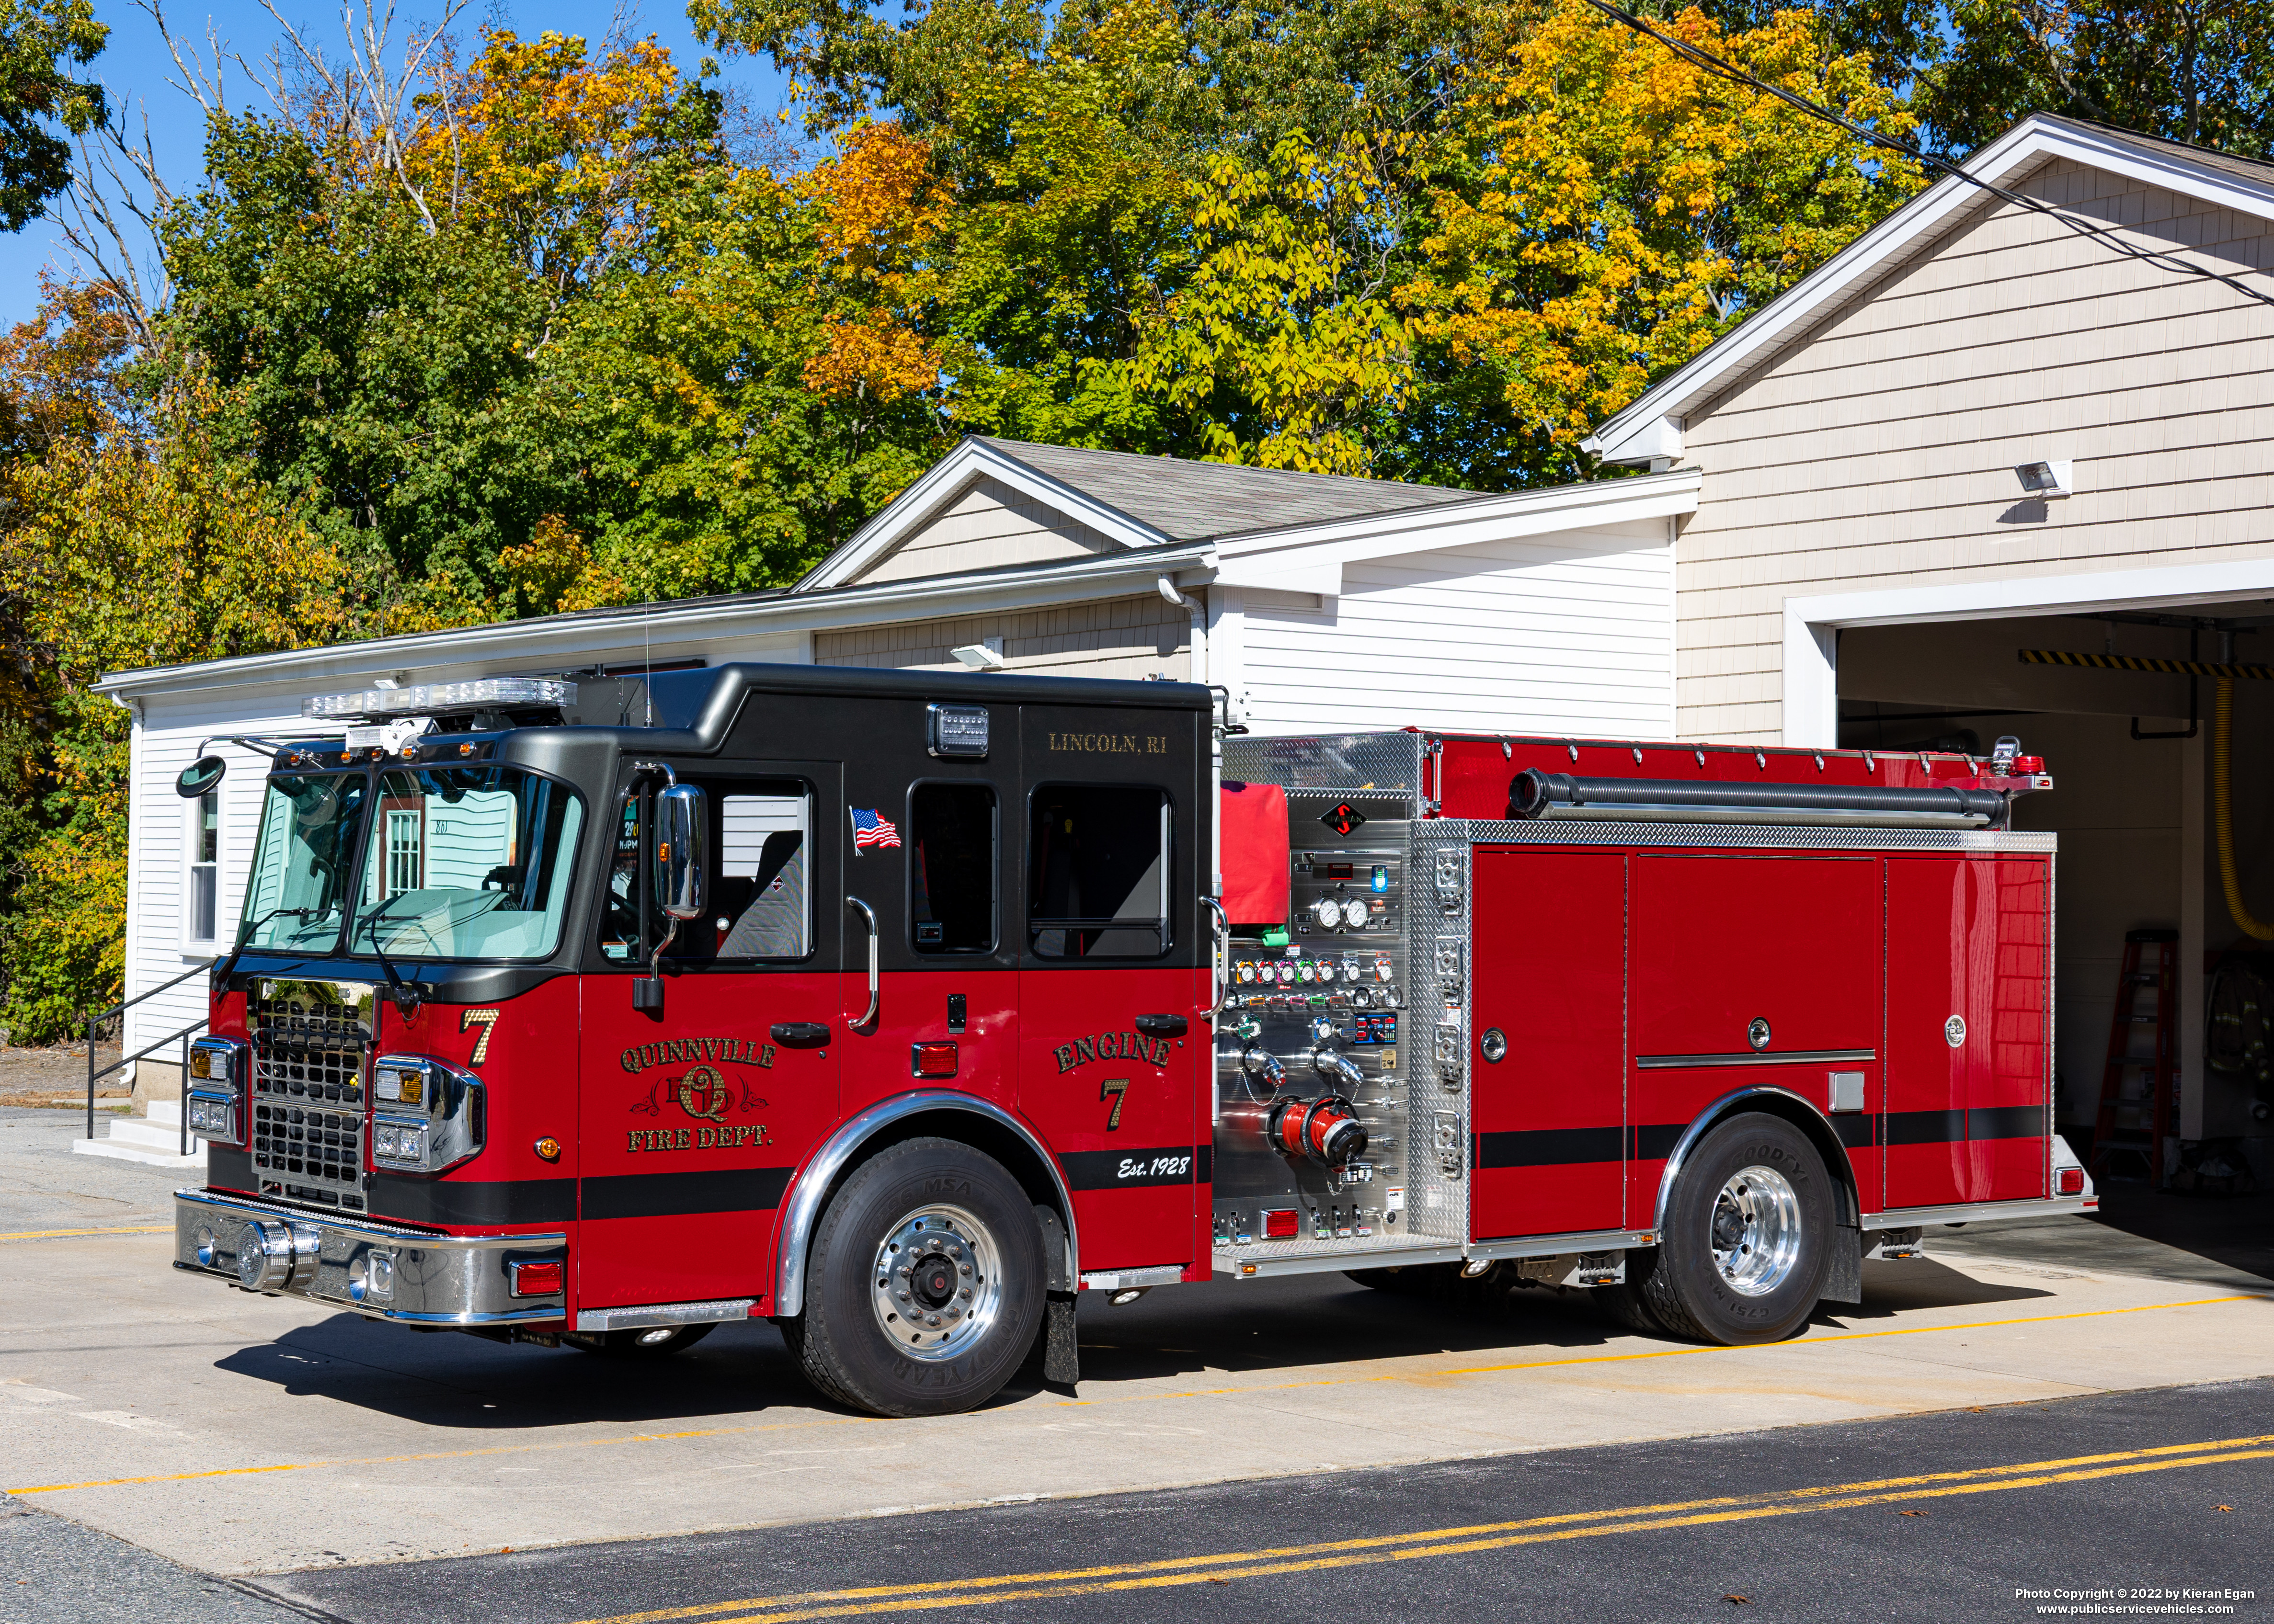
1279,1226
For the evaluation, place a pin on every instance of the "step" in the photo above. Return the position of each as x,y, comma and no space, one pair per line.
149,1135
154,1140
120,1150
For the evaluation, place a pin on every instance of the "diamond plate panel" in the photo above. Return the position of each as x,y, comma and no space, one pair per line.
1385,762
1437,926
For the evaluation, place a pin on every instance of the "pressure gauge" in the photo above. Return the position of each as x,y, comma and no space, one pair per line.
1287,971
1381,969
1328,911
1354,913
1247,969
1306,971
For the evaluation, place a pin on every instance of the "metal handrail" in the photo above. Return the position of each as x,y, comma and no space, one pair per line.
94,1019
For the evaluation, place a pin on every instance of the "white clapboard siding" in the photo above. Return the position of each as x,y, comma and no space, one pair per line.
1571,633
167,733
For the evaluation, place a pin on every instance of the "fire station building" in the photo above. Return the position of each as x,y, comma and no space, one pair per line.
1976,435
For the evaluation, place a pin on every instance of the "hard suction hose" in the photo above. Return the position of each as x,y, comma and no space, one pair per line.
2222,812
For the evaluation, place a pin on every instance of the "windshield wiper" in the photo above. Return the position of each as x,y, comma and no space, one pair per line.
404,995
246,936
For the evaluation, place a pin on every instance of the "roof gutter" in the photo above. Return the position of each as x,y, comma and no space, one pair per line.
566,638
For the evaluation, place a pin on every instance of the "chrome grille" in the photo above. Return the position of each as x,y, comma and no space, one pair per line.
308,1050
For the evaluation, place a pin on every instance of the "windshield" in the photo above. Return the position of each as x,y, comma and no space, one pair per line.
295,897
467,862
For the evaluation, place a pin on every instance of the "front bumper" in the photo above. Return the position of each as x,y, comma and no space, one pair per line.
364,1267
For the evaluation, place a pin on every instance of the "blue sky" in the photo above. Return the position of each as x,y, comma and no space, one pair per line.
136,67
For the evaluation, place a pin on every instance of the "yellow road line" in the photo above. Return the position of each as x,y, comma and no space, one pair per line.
52,1235
1225,1566
1131,1398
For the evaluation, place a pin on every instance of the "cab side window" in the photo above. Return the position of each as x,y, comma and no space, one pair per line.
757,903
952,868
1097,882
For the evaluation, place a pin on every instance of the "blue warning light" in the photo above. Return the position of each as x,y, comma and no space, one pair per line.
1380,876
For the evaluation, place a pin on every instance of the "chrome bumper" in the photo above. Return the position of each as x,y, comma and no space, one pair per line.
363,1266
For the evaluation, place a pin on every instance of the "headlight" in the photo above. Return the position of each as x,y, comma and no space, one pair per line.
399,1144
218,1068
430,1117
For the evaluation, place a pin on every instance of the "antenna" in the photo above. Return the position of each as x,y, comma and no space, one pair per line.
647,660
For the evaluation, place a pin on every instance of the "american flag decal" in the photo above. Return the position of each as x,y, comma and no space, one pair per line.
871,829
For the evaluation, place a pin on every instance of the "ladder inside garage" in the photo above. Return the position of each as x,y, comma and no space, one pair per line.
2139,1093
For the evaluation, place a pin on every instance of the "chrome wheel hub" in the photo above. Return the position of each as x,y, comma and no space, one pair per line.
938,1282
1756,1230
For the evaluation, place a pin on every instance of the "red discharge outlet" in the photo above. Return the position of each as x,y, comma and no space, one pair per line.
1324,1130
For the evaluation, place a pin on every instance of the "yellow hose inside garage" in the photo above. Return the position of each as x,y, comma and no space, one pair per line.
2222,812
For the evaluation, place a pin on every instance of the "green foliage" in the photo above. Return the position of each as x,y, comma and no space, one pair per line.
39,40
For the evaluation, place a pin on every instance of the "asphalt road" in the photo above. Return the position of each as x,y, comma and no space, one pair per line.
1961,1515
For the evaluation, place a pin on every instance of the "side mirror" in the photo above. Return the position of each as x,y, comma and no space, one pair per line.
681,827
199,776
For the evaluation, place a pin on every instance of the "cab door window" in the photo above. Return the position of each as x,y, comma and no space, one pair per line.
758,905
1097,884
952,868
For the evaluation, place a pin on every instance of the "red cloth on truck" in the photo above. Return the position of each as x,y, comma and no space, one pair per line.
1254,831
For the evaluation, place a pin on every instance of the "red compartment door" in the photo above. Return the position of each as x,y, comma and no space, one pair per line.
1968,940
1550,971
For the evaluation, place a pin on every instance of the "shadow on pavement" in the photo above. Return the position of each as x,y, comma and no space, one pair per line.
452,1380
448,1379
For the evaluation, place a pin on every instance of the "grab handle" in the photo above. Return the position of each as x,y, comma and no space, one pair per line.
876,984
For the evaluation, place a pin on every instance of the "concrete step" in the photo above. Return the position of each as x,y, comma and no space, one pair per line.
153,1140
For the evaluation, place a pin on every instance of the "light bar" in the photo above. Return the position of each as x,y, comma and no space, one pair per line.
427,697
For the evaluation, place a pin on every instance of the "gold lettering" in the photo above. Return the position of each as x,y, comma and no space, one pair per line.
629,1061
1086,1048
635,1134
683,1141
1064,1053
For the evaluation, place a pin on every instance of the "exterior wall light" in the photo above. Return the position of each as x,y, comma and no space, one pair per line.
2048,482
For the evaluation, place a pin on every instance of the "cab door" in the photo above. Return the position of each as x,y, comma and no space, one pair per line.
694,1115
1113,1056
923,868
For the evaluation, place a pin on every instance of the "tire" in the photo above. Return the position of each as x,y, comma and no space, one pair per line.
1756,1186
653,1342
1629,1305
968,1324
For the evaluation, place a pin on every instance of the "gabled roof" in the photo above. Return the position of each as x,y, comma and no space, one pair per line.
1132,501
1190,501
1649,432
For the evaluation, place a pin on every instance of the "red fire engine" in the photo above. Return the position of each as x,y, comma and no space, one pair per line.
898,1009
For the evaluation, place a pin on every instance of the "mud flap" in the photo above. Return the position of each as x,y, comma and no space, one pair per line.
1061,1345
1843,1274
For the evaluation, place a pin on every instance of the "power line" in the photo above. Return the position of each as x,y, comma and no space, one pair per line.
2170,263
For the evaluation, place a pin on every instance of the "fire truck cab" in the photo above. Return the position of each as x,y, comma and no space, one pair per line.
900,1008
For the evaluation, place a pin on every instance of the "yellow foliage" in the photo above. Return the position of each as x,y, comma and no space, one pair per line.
553,145
1633,207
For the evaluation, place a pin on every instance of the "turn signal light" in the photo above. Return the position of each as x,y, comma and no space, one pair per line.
1279,1226
2069,1181
536,1279
931,1059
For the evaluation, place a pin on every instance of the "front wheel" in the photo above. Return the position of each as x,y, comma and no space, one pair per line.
926,1286
1746,1243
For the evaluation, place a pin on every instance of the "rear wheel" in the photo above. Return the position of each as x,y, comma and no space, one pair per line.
1747,1236
926,1286
654,1342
